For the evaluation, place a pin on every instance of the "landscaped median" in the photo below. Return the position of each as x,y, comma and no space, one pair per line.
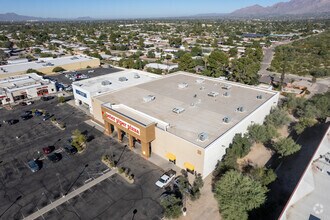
122,171
60,125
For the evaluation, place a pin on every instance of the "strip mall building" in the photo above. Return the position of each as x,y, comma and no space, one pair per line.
187,119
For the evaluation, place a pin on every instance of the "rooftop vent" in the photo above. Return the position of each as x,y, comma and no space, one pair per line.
182,85
259,96
226,119
213,94
226,94
202,136
226,87
178,110
149,98
122,79
200,80
106,83
136,76
240,109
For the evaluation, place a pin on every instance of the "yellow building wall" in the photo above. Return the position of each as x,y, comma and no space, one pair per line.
183,150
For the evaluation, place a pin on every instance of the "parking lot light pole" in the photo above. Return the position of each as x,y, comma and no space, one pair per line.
18,198
134,212
86,165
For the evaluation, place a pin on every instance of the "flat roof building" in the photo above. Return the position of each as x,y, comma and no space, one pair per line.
25,86
46,65
310,199
85,90
185,118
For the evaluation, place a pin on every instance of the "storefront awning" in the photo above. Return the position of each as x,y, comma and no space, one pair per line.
189,166
170,156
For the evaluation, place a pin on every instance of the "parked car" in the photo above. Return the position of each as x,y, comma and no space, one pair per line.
34,165
55,157
166,178
23,103
29,102
26,117
47,116
70,149
38,113
11,121
47,98
48,150
90,71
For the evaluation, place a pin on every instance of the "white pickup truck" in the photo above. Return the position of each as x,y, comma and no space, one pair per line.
166,178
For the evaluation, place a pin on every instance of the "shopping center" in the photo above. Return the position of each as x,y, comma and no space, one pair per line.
185,118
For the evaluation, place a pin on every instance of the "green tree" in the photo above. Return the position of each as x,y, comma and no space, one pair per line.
258,133
196,51
58,69
172,206
196,187
3,55
286,147
245,70
235,191
303,124
151,54
78,139
277,117
233,52
263,175
186,63
217,63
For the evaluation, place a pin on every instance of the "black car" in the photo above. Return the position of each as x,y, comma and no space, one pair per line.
47,98
70,149
47,116
26,115
55,157
11,121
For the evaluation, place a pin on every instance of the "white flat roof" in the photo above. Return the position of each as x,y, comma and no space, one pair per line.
204,102
111,81
25,81
21,67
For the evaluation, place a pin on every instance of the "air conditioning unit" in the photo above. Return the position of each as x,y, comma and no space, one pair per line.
259,96
202,136
106,83
213,94
200,80
136,76
149,98
227,87
122,79
178,110
226,119
226,94
182,85
240,109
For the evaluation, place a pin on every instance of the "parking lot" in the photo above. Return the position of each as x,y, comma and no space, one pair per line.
113,198
97,72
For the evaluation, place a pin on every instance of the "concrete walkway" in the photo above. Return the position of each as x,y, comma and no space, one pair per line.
70,195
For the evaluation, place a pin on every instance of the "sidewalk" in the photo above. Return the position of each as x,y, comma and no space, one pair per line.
69,196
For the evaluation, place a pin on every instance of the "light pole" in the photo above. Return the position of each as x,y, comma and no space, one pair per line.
18,198
134,212
86,165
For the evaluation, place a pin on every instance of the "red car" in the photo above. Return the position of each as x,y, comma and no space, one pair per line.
47,150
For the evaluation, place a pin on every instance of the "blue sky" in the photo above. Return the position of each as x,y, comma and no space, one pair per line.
124,8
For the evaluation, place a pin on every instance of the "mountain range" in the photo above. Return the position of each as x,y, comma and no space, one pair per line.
291,8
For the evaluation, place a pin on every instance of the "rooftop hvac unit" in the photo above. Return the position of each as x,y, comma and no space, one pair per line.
259,96
202,136
200,80
240,109
213,94
226,94
226,119
122,79
182,85
226,87
106,83
178,110
136,76
149,98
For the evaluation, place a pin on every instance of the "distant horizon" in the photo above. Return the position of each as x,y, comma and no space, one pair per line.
125,9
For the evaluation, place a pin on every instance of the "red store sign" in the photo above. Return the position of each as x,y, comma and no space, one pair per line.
122,123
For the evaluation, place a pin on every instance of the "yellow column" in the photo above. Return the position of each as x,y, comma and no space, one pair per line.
107,128
130,141
119,135
145,149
